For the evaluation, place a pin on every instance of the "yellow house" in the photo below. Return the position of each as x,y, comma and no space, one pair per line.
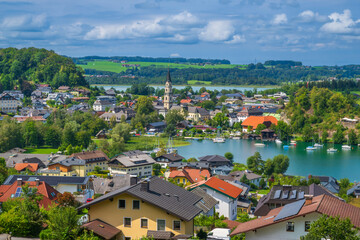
67,167
93,159
151,208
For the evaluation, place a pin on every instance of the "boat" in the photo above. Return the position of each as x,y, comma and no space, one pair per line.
259,145
331,150
278,141
346,147
218,138
318,145
310,148
293,142
286,146
236,138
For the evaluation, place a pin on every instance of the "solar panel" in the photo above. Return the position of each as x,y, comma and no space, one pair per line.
293,194
18,192
301,195
277,194
285,194
32,179
290,209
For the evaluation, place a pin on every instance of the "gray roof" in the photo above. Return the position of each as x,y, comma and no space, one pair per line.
163,235
171,157
69,162
207,202
355,189
51,180
214,158
105,185
189,164
249,175
132,159
160,193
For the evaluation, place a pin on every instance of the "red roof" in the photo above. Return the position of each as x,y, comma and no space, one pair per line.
220,186
49,194
185,101
33,167
193,175
323,204
34,118
254,121
231,224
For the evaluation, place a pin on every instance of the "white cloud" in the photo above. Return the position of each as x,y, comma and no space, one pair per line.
307,16
183,18
174,55
236,39
216,31
139,29
340,23
25,22
280,19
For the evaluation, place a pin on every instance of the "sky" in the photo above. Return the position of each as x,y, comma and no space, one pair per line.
316,32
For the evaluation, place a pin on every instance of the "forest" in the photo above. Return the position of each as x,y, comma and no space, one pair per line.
28,66
254,74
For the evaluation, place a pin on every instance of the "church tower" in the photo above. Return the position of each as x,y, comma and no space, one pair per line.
168,92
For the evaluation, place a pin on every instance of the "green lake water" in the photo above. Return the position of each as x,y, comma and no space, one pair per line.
344,163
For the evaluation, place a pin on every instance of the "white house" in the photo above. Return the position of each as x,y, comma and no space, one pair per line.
252,177
225,193
101,105
132,162
293,220
8,103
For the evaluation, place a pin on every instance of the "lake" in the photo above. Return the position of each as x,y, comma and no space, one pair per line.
342,164
195,88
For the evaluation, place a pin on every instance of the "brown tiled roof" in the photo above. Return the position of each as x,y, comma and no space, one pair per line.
33,167
231,224
193,175
91,155
102,229
323,204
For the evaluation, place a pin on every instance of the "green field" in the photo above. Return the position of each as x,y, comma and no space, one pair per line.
41,150
117,67
147,143
198,82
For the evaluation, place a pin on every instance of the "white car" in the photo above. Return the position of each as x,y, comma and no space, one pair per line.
219,233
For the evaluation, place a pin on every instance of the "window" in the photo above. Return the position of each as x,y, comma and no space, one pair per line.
136,204
127,238
122,203
307,226
183,181
290,226
127,222
176,225
144,223
161,225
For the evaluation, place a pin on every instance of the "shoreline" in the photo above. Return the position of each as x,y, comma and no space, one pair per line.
210,85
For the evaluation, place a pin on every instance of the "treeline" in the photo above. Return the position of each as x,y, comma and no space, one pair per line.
280,63
337,85
253,75
84,60
34,65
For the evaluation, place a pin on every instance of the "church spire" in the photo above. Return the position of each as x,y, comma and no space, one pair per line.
168,77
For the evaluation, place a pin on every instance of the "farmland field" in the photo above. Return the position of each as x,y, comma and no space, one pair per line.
198,82
117,67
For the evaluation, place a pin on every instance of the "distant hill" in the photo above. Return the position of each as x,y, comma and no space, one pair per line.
33,65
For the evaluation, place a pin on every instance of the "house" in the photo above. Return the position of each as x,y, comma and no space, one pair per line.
132,162
101,134
22,167
330,183
34,160
248,111
101,105
267,133
60,183
187,176
254,121
110,99
110,92
106,185
92,159
68,167
165,159
150,208
156,127
215,160
102,229
252,177
192,165
8,103
63,88
187,101
221,170
225,193
354,191
49,194
282,195
294,220
197,114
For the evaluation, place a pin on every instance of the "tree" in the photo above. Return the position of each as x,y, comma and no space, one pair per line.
208,104
338,136
324,136
157,169
281,163
221,120
283,130
52,136
144,105
334,228
121,130
63,223
259,128
3,170
201,234
255,163
307,133
66,199
269,167
245,180
352,137
229,156
174,117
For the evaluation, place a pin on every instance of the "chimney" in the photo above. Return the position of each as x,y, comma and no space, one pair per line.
308,199
37,181
144,186
19,181
133,180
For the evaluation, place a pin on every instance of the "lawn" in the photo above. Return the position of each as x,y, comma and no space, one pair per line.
41,150
147,143
197,82
355,202
117,67
261,191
